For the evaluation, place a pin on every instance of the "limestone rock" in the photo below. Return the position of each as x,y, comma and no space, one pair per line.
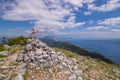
4,53
2,76
19,77
37,53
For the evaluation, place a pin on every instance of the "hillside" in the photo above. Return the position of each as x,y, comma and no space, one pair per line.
26,68
75,49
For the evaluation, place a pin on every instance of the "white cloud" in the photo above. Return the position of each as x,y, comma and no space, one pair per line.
49,15
87,13
109,6
91,22
97,28
90,35
110,21
115,30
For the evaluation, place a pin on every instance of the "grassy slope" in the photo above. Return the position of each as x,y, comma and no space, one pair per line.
94,69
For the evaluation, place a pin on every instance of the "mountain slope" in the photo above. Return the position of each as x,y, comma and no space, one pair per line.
75,49
92,69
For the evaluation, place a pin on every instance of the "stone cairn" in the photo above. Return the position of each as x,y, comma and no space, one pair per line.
38,53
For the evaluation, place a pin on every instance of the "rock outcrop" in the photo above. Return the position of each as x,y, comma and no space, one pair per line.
39,55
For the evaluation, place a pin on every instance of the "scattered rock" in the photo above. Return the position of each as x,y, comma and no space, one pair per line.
3,67
78,72
32,65
50,71
2,76
6,46
38,53
79,78
4,53
19,77
72,77
20,57
28,47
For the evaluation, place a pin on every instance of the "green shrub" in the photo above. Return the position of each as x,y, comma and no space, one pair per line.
21,40
1,48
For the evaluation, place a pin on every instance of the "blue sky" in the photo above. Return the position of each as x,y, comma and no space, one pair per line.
73,19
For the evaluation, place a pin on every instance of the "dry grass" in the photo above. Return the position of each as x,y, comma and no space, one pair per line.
93,68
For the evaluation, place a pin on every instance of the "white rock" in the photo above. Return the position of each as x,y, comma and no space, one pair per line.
6,46
26,58
72,77
79,78
32,65
20,57
4,53
19,77
28,47
75,68
3,67
50,71
2,76
78,72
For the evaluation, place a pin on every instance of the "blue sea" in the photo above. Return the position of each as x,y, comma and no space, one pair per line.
108,48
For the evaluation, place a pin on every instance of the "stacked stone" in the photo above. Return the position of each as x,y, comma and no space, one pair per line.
38,53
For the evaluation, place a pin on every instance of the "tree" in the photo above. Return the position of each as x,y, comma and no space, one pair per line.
4,40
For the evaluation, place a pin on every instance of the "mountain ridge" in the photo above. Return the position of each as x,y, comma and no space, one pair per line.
75,49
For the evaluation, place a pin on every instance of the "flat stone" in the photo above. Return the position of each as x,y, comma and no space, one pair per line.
20,57
75,68
54,56
28,47
19,77
50,71
45,55
21,71
26,58
6,46
79,78
32,65
78,72
72,77
64,64
22,65
2,76
3,67
61,58
67,72
60,67
4,53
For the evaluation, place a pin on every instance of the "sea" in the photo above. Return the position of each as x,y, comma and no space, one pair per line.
108,48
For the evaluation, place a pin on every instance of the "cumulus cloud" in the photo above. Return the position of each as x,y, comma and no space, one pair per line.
51,16
96,28
48,15
110,21
87,13
109,6
115,30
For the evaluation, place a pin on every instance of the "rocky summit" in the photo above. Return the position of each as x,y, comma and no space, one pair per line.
41,57
36,61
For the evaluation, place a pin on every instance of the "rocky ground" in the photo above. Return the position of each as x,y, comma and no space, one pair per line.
37,61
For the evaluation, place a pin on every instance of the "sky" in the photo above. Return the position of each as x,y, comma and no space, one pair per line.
70,19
